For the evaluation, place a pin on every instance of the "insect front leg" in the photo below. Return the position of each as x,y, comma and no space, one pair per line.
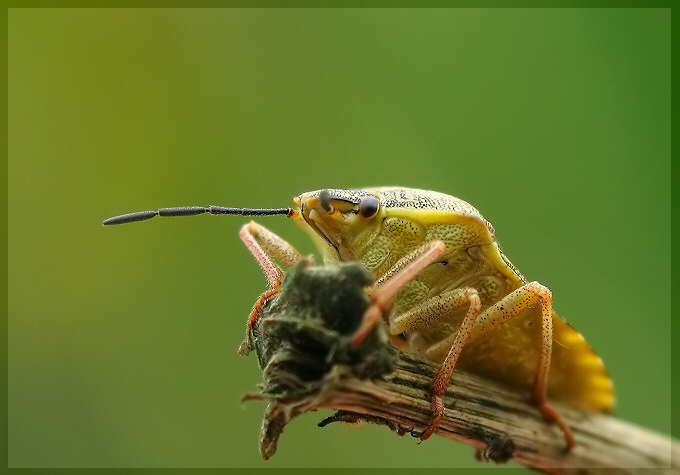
389,285
265,246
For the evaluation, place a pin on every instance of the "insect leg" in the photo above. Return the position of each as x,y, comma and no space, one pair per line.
407,261
385,290
443,377
433,309
499,313
264,245
540,387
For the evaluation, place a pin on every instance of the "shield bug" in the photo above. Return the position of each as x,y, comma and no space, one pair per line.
452,293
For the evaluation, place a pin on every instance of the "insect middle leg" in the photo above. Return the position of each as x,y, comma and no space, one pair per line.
266,246
438,308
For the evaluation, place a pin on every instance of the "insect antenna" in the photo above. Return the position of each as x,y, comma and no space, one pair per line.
192,210
325,199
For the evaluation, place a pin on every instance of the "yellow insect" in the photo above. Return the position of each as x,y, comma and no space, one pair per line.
452,294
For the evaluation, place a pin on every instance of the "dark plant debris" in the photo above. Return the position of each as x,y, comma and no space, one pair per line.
302,343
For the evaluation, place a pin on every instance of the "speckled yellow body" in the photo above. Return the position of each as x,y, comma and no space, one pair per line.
407,219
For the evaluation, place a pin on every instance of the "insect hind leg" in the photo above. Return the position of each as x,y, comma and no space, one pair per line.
508,307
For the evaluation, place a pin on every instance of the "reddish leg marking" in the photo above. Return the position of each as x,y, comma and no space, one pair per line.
259,303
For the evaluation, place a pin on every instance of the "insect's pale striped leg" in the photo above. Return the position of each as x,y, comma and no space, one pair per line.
265,246
386,289
496,315
434,309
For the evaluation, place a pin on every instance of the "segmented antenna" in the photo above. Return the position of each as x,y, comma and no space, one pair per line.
192,210
325,199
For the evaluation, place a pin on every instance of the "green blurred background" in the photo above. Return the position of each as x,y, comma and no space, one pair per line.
554,123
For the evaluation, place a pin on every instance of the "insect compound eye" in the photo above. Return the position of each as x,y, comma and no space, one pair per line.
368,207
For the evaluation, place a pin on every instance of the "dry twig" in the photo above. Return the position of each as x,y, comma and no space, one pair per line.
307,365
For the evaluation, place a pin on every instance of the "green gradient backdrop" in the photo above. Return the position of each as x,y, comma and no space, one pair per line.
554,123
